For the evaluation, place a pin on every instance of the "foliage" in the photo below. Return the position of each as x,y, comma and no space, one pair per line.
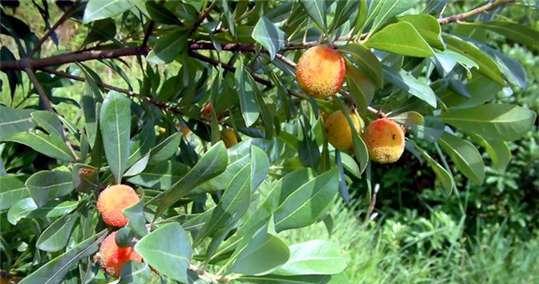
214,214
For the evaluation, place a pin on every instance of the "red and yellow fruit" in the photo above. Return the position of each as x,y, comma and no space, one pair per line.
229,136
113,200
339,132
320,71
385,140
112,257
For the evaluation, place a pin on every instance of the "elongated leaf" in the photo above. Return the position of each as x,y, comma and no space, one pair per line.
269,36
21,209
263,253
90,109
168,47
47,185
312,258
48,145
166,148
49,121
248,105
210,165
55,270
383,10
317,11
365,62
411,85
465,156
492,121
55,237
400,38
487,66
447,59
115,124
498,151
519,33
428,27
443,177
361,88
232,206
161,175
259,166
13,121
138,273
308,203
160,14
167,250
101,9
137,221
280,279
12,189
55,209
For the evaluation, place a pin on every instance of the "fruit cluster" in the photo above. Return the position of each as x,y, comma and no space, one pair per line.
111,203
320,72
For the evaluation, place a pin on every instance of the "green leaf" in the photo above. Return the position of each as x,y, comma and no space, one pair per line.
409,118
343,11
259,166
312,258
233,204
513,31
407,83
55,270
210,165
160,175
12,189
138,273
221,181
360,148
168,46
361,18
428,27
269,36
90,109
400,38
137,221
280,279
361,88
55,209
364,61
492,121
498,151
480,90
101,9
115,124
160,14
308,203
229,16
167,250
49,121
447,59
383,10
443,177
56,235
487,66
48,145
248,105
166,148
21,209
13,121
317,11
262,254
47,185
465,156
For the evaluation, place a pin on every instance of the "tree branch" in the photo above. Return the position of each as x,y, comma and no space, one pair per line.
481,9
60,21
147,33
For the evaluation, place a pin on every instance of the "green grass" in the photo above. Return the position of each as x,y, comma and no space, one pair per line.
393,252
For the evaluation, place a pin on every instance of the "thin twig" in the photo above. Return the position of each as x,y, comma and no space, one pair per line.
201,19
481,9
147,33
51,30
48,106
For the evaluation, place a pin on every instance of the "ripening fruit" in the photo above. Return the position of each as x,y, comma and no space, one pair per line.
338,130
385,140
206,111
112,257
113,200
229,136
320,71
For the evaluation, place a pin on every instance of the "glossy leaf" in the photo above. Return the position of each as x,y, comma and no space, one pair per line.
383,10
12,189
312,258
47,185
400,38
168,46
48,121
160,175
365,62
443,177
407,83
308,203
101,9
115,124
317,11
56,235
166,148
21,209
167,250
269,36
246,92
498,151
465,156
519,33
428,27
13,121
49,145
492,121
